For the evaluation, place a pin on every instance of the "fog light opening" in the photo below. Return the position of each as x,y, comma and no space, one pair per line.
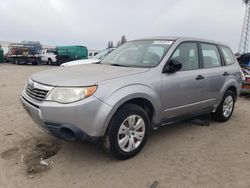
67,134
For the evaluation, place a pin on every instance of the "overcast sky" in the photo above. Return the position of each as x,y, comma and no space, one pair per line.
94,22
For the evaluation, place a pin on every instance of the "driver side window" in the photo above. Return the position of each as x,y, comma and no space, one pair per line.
187,54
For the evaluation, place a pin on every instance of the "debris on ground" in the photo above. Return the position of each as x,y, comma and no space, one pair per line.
9,153
35,153
22,158
8,134
44,163
39,158
154,184
31,176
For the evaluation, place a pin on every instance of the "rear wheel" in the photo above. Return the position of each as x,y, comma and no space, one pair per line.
128,132
34,63
226,107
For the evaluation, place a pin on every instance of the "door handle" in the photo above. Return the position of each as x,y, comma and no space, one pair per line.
225,74
199,77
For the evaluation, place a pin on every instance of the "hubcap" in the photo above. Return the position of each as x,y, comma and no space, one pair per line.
131,133
228,106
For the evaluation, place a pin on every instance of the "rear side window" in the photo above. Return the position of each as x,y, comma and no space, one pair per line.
187,54
210,55
229,57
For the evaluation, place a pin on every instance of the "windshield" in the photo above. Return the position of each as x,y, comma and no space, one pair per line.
102,54
146,53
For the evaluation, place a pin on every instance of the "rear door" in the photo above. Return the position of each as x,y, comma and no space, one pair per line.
213,69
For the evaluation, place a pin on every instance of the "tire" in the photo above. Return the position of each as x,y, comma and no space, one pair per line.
118,130
220,114
34,63
49,61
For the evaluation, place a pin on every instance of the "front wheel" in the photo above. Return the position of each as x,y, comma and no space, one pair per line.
128,132
49,62
226,107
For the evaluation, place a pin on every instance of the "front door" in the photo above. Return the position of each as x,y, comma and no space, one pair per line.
183,92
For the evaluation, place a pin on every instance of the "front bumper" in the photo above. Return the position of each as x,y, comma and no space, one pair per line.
86,117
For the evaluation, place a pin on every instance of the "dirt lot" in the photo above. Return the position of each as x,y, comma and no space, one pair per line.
180,155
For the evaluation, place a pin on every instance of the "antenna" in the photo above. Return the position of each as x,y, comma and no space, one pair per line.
244,39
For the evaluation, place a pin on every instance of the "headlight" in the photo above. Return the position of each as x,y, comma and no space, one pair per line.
69,95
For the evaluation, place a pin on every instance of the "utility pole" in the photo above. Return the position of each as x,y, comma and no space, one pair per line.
244,39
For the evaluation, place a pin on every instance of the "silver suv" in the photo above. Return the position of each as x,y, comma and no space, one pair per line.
141,85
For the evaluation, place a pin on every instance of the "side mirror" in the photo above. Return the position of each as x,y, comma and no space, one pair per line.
172,66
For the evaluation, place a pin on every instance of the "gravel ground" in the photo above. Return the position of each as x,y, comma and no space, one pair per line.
179,155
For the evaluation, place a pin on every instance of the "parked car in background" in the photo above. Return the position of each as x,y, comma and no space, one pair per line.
245,87
48,56
244,61
92,53
23,55
70,53
141,85
97,58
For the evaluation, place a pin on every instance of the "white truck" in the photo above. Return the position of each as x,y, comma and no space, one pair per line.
92,53
48,56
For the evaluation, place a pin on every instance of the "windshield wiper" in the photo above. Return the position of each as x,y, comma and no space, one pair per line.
118,65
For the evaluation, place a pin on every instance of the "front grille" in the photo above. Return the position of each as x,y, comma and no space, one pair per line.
35,93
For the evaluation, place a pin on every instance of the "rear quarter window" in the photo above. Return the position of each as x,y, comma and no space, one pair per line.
228,56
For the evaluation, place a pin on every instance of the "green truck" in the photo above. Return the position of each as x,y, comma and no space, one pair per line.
70,53
1,55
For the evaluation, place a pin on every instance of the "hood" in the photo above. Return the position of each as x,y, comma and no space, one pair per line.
83,75
80,62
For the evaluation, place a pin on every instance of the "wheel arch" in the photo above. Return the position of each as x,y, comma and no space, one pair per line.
230,84
234,90
142,96
144,103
